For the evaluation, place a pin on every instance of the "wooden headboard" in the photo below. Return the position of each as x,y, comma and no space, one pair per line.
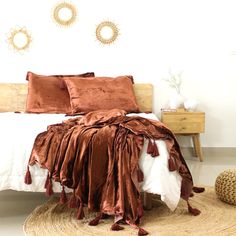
13,96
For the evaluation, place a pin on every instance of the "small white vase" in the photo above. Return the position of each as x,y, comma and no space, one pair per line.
190,104
176,101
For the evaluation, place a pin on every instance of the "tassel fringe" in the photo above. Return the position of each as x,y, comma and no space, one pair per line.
193,211
47,181
198,189
49,190
95,221
28,179
171,164
142,232
150,147
63,197
116,227
155,151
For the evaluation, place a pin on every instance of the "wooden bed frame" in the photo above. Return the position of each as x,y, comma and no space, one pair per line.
13,98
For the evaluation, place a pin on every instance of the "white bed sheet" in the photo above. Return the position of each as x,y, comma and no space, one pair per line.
17,135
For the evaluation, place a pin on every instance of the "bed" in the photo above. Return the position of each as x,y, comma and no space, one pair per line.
19,130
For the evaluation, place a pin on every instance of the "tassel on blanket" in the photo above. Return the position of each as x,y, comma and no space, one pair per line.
28,179
116,227
96,220
72,201
63,198
198,189
47,181
80,212
171,164
193,211
142,232
150,147
155,151
48,186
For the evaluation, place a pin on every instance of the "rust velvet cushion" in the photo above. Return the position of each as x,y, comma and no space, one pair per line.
101,93
48,94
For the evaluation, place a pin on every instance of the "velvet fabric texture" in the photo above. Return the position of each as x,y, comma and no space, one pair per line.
91,94
48,94
99,159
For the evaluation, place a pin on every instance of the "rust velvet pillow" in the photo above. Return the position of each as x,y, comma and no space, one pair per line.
48,94
91,94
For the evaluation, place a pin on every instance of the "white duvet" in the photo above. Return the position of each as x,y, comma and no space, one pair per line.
17,134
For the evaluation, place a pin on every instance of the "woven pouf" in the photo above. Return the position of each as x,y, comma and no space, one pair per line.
225,186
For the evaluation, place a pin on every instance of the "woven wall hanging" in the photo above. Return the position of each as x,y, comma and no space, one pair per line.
19,39
107,32
64,14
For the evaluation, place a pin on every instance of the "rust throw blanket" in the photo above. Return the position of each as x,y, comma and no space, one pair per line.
97,156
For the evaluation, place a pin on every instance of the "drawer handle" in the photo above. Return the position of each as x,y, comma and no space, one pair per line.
184,118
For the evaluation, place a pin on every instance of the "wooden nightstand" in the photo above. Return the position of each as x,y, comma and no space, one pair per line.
183,122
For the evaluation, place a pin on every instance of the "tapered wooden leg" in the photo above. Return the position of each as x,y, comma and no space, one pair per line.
147,201
197,146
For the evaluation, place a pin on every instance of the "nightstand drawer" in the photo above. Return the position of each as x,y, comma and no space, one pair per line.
184,122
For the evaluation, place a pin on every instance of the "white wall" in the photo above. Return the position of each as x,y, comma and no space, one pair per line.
197,37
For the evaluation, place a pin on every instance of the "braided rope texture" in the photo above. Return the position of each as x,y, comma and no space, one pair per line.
225,186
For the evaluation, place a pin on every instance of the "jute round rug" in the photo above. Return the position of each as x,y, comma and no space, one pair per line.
216,218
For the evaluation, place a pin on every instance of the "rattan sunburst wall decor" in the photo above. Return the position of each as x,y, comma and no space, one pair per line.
64,14
19,39
107,32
